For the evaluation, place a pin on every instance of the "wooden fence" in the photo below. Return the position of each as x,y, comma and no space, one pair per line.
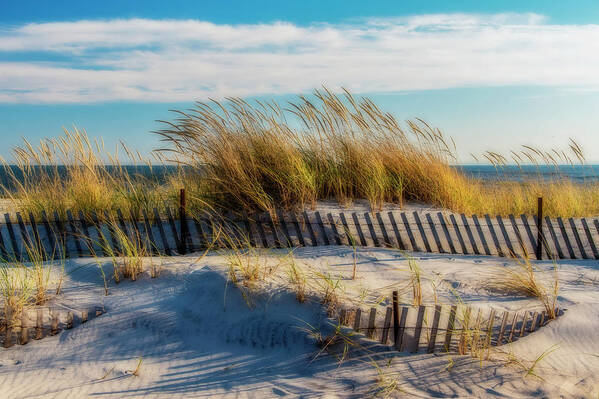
437,232
40,322
441,328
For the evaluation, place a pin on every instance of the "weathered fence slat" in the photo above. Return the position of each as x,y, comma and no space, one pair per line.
490,328
275,233
310,229
525,251
506,237
450,327
373,235
447,235
513,327
171,222
112,233
402,328
481,234
553,235
523,327
400,242
502,328
562,228
386,326
357,320
86,235
494,235
283,225
73,227
13,238
406,223
323,231
3,248
431,224
531,238
158,222
37,245
261,231
418,328
469,234
434,329
386,240
587,231
149,233
371,321
104,245
24,235
63,235
298,229
577,239
422,232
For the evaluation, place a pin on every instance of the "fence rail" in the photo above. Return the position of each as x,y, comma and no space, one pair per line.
435,232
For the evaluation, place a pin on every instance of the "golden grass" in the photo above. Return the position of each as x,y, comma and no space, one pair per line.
256,156
527,280
259,155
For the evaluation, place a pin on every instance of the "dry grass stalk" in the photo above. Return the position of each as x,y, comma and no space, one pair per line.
527,280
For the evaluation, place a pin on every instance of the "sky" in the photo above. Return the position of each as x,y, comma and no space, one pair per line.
492,75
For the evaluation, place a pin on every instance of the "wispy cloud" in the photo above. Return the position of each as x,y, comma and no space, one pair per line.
182,60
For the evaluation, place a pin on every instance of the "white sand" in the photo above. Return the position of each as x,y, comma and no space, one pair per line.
198,339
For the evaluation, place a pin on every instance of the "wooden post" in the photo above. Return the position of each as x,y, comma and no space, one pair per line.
182,223
54,322
39,325
539,228
395,317
24,328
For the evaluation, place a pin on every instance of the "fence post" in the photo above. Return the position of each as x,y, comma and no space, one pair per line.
395,318
539,228
182,223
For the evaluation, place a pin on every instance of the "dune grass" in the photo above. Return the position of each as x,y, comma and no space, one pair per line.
259,155
237,155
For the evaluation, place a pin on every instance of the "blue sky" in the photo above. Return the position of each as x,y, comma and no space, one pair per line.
493,75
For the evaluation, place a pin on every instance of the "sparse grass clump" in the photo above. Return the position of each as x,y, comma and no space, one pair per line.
527,280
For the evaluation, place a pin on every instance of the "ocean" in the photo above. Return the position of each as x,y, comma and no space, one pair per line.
577,173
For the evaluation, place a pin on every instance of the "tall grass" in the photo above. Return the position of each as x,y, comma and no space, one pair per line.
75,172
259,155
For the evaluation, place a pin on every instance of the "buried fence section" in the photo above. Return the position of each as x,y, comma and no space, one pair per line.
441,328
39,322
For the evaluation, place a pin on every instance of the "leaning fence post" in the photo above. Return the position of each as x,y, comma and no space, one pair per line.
539,228
182,223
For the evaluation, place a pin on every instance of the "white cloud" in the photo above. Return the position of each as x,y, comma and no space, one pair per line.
183,60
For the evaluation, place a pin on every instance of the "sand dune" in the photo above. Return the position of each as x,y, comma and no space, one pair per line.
196,336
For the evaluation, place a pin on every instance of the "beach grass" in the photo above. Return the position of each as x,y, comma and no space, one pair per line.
237,155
